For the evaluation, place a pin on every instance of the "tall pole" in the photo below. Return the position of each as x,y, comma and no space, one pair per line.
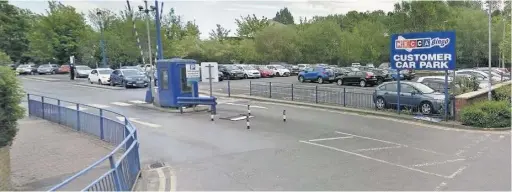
489,94
102,43
149,33
160,52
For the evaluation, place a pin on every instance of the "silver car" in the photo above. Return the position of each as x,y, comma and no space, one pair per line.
412,94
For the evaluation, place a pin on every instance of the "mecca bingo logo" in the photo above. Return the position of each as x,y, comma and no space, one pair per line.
421,43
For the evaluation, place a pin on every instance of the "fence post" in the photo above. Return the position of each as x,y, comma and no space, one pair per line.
58,111
344,97
101,125
250,88
117,179
229,88
316,94
78,117
42,106
270,90
292,91
28,101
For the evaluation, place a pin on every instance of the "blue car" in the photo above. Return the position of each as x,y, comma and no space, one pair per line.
317,74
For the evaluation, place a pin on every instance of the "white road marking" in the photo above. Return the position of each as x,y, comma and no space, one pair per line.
458,171
252,106
374,159
332,138
438,163
240,118
99,105
174,180
137,102
161,179
135,120
426,150
441,185
74,108
379,148
121,104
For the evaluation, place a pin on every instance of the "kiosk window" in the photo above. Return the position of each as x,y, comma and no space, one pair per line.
165,78
185,87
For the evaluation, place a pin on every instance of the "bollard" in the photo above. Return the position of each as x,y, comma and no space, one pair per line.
212,115
284,115
249,110
248,123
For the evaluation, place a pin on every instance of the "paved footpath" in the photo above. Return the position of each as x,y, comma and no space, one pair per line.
44,154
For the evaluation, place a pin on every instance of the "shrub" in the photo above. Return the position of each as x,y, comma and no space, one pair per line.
502,93
489,114
10,109
462,85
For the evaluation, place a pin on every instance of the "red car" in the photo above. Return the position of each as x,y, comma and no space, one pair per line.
264,71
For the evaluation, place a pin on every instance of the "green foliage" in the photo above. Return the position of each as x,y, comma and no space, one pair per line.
462,85
503,93
14,28
4,59
488,114
10,109
284,16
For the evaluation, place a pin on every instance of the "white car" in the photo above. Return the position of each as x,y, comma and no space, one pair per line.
482,84
249,71
100,76
279,70
478,74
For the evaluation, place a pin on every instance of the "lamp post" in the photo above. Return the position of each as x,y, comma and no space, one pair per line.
102,42
489,94
146,10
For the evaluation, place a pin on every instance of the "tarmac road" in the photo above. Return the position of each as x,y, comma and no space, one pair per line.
313,150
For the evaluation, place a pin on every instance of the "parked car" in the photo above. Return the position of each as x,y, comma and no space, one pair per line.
264,71
394,74
317,74
63,69
294,69
412,94
478,74
221,76
302,67
128,78
496,72
381,74
100,76
279,70
231,72
134,67
409,74
363,78
47,69
340,71
27,69
249,71
82,71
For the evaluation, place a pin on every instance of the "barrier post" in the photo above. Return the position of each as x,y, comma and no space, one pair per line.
78,117
229,88
42,106
292,91
101,125
249,110
247,120
284,115
316,94
344,97
250,88
59,112
117,179
270,89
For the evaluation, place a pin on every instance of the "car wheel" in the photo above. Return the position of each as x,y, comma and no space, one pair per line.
125,85
277,74
362,83
89,81
320,80
301,79
380,103
53,72
99,82
32,73
426,108
339,82
379,81
245,76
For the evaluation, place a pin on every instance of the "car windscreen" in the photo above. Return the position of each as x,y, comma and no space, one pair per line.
230,67
131,72
44,66
278,66
82,68
104,71
423,88
247,67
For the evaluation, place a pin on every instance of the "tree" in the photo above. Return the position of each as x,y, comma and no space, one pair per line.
248,26
284,16
4,59
278,43
14,28
220,33
320,42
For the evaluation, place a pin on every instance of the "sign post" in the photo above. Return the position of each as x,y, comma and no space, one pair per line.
424,51
193,75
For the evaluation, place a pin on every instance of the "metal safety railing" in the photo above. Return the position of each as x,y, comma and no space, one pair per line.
109,126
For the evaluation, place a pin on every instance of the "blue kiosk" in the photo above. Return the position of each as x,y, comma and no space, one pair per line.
174,89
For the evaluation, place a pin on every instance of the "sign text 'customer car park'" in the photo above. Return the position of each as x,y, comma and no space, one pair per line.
423,51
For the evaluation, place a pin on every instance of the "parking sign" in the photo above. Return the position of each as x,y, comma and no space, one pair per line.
423,51
192,72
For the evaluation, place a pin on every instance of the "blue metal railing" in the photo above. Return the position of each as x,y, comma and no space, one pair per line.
122,174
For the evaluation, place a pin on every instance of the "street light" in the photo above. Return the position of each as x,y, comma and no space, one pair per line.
102,41
489,94
146,10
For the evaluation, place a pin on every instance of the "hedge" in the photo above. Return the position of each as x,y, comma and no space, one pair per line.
503,93
487,114
10,109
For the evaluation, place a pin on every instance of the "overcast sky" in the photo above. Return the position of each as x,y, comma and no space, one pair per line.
208,13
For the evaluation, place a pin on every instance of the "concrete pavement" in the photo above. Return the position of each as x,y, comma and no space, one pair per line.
314,150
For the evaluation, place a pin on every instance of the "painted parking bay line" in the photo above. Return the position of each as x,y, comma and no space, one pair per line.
121,104
252,106
137,101
135,120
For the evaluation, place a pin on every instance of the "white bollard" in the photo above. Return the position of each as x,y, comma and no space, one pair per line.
284,115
